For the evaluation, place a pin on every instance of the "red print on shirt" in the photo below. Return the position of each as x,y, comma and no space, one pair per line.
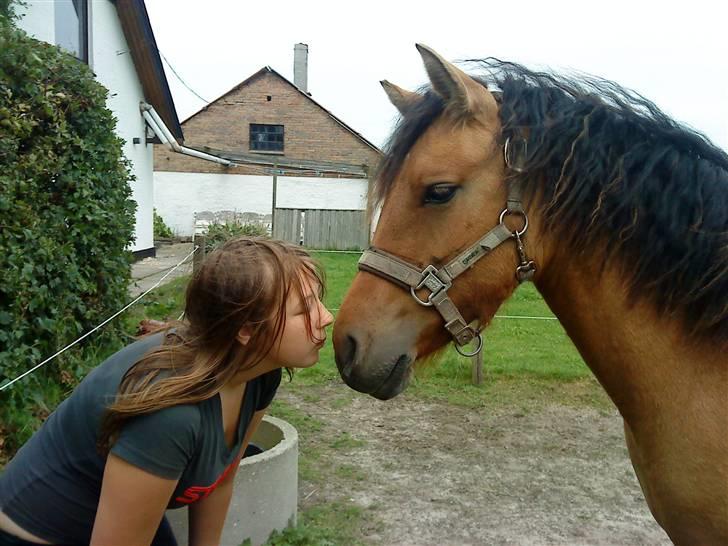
199,492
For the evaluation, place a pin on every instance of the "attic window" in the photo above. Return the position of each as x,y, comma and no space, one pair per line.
266,138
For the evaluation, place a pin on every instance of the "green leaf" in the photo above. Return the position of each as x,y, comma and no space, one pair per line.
66,210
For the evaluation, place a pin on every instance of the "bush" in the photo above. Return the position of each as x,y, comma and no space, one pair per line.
67,220
7,10
161,230
218,233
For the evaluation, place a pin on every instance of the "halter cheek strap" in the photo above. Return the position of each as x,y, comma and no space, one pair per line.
438,281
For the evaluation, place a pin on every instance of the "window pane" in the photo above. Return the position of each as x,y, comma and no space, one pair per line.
70,27
264,137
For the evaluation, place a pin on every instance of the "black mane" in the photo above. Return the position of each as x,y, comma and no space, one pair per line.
614,172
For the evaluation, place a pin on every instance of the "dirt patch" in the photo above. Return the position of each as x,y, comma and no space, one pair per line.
428,473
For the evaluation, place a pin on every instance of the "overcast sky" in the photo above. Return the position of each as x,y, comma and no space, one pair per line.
674,53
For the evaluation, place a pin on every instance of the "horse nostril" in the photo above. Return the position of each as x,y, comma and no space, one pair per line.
346,356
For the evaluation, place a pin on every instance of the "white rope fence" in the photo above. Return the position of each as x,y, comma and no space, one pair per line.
524,317
160,281
505,316
112,317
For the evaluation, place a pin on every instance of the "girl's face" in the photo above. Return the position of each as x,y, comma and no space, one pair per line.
295,349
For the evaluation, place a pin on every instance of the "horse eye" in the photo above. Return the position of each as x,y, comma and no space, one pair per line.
437,194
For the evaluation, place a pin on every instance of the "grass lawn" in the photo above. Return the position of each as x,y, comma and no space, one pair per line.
515,349
530,353
526,363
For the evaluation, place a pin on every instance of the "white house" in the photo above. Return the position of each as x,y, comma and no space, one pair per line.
115,38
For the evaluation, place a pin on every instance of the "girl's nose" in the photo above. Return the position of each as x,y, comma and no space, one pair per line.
326,317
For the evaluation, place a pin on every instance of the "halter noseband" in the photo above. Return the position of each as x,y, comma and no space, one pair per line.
438,281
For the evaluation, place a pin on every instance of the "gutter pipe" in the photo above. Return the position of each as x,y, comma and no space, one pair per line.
165,136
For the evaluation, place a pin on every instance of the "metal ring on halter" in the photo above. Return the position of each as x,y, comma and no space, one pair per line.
519,232
477,350
427,303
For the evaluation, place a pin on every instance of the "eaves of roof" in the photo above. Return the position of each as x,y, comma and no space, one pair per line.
147,61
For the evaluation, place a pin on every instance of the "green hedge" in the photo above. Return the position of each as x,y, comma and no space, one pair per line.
66,214
7,10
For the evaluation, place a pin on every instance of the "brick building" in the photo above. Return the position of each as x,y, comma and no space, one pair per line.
264,125
267,118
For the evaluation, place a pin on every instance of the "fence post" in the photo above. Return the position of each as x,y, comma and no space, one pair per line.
477,362
275,190
198,241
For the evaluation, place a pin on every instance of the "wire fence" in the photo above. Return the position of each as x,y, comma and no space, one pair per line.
104,323
169,272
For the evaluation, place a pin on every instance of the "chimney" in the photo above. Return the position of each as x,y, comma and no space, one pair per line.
300,67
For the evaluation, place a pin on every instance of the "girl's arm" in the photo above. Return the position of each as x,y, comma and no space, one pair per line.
131,506
207,516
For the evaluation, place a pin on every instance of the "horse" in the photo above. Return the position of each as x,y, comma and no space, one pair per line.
619,216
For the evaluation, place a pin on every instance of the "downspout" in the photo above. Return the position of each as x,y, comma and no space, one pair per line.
165,136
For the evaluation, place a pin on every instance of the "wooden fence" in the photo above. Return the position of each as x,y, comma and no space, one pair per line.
287,225
322,229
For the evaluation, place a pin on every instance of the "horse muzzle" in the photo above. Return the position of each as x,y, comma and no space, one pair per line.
379,372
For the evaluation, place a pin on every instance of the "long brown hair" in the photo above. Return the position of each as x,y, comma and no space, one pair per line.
246,282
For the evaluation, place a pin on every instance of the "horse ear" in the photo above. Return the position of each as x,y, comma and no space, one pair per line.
402,99
461,92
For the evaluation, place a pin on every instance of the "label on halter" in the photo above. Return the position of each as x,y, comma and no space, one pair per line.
470,257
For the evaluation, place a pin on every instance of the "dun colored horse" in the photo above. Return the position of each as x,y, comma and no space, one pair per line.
617,213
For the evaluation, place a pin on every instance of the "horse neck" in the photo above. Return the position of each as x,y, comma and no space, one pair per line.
640,357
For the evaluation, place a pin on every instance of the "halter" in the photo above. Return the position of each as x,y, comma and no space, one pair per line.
438,281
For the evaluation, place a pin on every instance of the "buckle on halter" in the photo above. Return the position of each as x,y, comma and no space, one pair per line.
527,268
432,282
526,271
463,335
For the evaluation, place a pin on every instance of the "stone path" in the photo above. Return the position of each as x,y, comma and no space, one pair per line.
145,273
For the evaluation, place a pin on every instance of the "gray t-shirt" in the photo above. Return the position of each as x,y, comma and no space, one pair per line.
51,488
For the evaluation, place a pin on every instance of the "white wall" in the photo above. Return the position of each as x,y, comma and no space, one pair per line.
179,196
321,193
112,63
115,70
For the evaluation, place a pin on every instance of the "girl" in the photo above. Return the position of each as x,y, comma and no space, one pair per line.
165,421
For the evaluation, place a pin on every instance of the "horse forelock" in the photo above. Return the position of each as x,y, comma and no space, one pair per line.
611,171
407,131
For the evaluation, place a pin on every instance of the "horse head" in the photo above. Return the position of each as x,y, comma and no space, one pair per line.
626,213
443,188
